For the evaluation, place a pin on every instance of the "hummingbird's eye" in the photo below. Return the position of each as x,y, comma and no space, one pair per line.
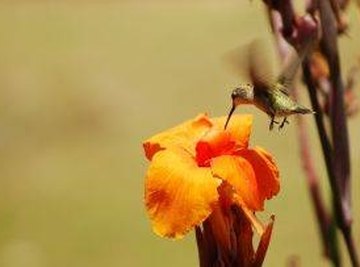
234,94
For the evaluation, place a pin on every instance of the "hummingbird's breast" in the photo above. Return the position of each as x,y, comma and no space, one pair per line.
263,101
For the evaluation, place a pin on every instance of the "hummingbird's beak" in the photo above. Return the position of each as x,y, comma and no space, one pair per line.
229,116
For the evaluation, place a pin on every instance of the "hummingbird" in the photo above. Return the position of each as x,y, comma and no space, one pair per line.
271,97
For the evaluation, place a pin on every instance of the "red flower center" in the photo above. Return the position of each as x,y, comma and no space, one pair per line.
215,143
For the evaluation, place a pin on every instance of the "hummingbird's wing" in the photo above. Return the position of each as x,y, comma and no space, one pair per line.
259,67
287,76
251,60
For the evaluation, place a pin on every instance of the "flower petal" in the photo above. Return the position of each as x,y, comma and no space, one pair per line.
266,171
250,214
239,127
214,143
178,194
244,237
239,173
264,244
184,135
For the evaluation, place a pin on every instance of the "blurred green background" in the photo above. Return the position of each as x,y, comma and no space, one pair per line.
82,84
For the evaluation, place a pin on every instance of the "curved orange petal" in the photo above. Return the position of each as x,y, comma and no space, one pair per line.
266,171
239,173
239,127
184,135
178,194
264,243
214,143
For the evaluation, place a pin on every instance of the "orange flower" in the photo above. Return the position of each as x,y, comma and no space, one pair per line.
199,172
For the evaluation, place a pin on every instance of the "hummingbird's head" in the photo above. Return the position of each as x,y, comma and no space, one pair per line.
244,94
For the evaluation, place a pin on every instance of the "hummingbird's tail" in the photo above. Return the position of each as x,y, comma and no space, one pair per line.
304,110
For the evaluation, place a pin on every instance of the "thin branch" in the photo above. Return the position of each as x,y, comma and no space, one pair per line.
340,178
324,219
327,152
341,162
